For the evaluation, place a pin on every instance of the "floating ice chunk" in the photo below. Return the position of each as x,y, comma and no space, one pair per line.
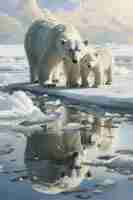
53,103
83,196
107,182
21,108
72,127
21,102
122,164
40,119
97,191
6,150
1,168
128,115
125,151
130,178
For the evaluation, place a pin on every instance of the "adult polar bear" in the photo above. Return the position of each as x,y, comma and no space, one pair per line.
47,44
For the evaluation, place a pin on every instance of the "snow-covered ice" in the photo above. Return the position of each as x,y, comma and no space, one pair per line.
19,108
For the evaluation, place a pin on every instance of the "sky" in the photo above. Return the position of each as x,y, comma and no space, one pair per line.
10,6
96,17
60,4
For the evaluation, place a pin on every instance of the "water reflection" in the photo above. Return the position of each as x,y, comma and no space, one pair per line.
57,155
54,159
104,133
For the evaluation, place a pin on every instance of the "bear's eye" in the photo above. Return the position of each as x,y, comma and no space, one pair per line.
63,42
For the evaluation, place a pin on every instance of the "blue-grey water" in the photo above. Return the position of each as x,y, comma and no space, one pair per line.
78,153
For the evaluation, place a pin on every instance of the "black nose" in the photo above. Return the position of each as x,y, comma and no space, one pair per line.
74,61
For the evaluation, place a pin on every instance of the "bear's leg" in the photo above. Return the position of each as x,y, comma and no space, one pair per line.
109,75
74,78
44,74
33,67
84,77
72,73
55,75
67,72
33,74
71,81
99,78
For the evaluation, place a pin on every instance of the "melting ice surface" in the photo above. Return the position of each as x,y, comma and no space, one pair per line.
48,146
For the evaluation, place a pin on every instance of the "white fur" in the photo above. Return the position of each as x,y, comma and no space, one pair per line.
101,67
47,45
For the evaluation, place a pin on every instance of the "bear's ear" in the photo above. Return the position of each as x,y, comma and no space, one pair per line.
86,42
60,28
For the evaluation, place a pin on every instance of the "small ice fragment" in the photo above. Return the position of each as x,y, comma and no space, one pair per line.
126,172
130,178
34,178
116,115
21,179
36,158
128,115
21,101
53,103
83,196
108,182
72,126
108,114
1,168
97,191
110,170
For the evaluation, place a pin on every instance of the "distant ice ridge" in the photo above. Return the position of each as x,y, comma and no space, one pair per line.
12,50
122,50
18,50
10,78
13,64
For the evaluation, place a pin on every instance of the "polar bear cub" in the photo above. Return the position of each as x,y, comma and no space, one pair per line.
49,44
101,67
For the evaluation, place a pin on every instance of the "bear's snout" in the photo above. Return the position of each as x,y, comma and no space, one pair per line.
89,65
75,61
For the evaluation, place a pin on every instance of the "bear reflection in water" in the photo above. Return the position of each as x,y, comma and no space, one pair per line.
56,157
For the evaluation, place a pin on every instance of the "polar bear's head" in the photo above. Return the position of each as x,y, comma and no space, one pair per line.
68,43
89,60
